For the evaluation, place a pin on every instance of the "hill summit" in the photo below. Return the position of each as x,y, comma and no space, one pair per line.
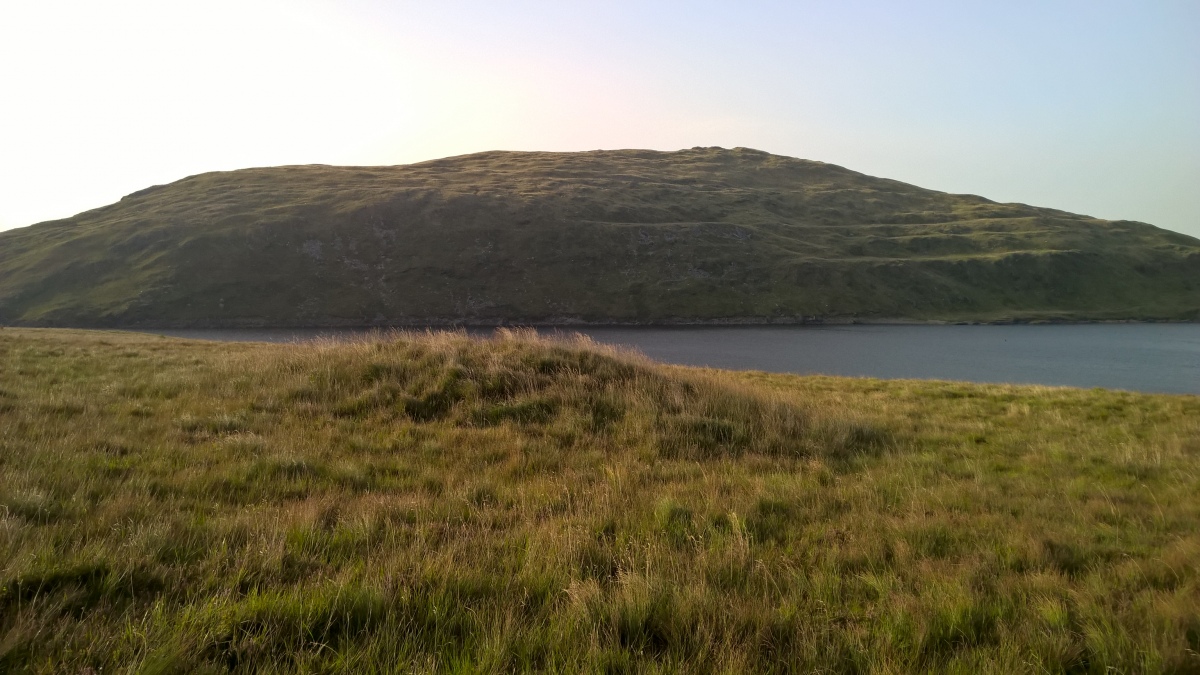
627,236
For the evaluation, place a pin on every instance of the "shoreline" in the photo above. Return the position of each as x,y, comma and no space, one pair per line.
569,322
1058,357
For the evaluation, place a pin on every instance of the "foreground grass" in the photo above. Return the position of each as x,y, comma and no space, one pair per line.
433,503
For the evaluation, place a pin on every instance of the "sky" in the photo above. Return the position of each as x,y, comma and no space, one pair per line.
1087,106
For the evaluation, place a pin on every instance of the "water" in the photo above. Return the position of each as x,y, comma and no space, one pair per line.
1138,357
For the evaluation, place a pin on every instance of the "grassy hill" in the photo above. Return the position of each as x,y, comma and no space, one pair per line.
624,236
433,503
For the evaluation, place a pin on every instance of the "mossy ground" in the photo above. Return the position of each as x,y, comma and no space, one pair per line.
437,503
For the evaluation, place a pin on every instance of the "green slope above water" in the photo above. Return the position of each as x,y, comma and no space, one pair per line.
625,236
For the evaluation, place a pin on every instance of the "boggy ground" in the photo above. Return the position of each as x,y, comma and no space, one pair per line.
437,503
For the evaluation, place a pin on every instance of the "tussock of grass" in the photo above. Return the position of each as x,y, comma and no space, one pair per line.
437,503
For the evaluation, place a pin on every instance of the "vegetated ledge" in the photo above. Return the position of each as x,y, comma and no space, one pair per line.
705,236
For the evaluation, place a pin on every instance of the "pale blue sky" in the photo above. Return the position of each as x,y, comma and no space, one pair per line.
1091,107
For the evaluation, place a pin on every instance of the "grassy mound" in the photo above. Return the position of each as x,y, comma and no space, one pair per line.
439,503
626,236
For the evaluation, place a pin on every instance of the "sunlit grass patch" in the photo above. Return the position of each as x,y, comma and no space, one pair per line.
439,503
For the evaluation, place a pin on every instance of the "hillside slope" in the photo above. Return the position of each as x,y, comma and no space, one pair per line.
609,236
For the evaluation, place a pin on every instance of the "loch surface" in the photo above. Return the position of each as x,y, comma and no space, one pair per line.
1138,357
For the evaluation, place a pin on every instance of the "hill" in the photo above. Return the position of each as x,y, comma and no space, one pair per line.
433,503
624,236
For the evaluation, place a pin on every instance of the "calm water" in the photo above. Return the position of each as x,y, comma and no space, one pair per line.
1138,357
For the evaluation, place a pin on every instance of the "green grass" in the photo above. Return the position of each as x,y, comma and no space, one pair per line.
610,236
434,503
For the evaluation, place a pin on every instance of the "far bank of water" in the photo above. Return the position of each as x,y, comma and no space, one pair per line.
1161,358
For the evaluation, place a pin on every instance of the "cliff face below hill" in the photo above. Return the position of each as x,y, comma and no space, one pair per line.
702,235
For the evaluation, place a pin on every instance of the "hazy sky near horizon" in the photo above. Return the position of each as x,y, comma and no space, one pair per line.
1086,106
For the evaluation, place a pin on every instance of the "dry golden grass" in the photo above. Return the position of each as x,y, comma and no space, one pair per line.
437,503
